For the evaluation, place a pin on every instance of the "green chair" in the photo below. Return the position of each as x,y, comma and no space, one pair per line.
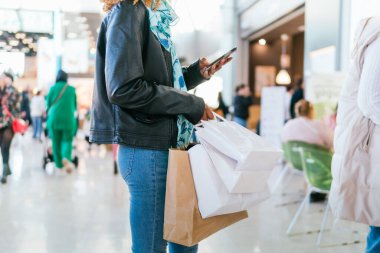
292,154
316,163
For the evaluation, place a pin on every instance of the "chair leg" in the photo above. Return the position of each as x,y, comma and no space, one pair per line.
323,224
299,211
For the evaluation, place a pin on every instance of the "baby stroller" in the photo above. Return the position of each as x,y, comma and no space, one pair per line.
48,152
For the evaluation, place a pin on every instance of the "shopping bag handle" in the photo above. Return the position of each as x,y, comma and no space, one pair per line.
216,116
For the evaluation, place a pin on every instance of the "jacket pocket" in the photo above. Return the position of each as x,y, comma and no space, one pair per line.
146,119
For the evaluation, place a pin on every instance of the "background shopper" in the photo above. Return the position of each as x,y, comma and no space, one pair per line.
25,105
243,100
140,102
297,96
305,129
10,101
61,121
38,109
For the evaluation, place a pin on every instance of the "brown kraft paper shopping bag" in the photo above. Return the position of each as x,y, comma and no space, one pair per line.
183,222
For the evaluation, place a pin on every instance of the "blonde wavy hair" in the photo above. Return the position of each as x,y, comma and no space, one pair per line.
108,4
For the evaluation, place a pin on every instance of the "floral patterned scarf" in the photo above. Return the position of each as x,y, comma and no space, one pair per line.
160,21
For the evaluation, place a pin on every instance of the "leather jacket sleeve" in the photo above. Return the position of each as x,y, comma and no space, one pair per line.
193,76
124,71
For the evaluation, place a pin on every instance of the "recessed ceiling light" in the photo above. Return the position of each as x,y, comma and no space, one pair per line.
84,26
72,35
262,42
14,43
80,19
284,37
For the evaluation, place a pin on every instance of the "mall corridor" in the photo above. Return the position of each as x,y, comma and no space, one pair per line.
88,212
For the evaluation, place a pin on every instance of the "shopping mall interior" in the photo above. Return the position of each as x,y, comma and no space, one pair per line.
283,47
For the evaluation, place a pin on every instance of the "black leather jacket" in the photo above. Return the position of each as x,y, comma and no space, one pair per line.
134,102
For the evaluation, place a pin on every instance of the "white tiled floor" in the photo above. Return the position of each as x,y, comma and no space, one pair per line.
88,213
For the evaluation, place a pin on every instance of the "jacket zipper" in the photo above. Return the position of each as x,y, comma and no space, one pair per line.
173,137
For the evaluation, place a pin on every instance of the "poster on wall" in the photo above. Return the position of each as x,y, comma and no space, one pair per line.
323,90
46,63
264,76
75,57
273,114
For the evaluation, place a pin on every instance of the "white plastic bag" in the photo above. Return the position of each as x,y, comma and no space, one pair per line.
236,181
251,151
213,196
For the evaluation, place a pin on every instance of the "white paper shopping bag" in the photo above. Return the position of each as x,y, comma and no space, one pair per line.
213,196
254,181
251,151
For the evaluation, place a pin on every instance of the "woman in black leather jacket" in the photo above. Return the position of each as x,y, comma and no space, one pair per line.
140,102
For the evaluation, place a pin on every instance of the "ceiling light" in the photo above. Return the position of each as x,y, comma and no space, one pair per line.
20,35
84,26
81,19
283,77
27,40
262,42
14,43
72,35
284,37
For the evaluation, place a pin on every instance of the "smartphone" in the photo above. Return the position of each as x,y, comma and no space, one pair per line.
226,55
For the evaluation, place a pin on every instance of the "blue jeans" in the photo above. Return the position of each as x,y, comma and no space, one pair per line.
37,127
145,174
240,121
373,240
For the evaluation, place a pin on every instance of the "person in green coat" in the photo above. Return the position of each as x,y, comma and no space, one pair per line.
61,121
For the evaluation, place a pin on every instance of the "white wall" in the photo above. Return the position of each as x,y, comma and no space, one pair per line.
354,11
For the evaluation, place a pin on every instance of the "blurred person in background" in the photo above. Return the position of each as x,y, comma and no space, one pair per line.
10,107
61,121
288,98
243,100
25,105
38,110
298,95
222,108
303,128
140,102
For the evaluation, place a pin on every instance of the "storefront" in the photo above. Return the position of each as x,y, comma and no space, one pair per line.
272,38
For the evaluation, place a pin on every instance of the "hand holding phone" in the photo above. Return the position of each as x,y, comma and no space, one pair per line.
208,70
223,57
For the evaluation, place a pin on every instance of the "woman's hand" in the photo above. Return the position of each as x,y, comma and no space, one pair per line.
207,115
206,72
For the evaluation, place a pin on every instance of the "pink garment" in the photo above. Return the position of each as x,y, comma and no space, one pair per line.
309,131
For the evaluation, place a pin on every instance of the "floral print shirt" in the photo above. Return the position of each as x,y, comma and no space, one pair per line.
10,98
